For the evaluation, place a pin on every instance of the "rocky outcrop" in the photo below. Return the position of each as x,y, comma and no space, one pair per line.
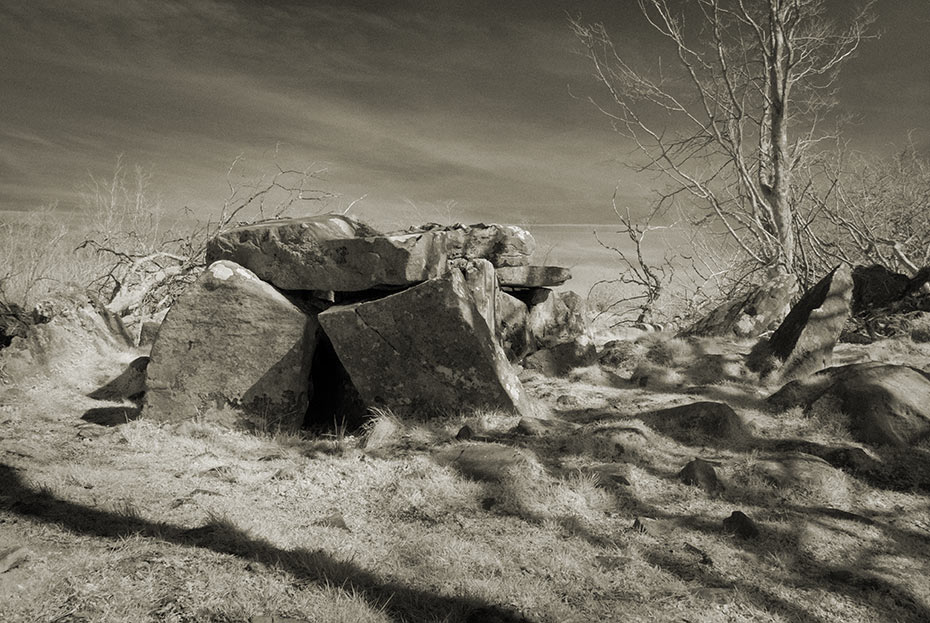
414,320
758,310
886,404
232,340
401,356
803,343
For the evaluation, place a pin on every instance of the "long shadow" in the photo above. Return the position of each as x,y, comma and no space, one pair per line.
401,603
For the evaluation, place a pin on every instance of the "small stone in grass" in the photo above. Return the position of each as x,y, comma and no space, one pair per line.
741,525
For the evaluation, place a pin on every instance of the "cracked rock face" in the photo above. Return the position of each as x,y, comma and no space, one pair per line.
425,349
232,340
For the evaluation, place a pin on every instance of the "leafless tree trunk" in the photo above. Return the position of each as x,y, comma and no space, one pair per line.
731,126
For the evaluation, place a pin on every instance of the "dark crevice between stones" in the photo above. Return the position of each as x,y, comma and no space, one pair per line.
335,405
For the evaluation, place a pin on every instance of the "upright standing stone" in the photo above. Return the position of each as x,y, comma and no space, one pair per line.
759,310
803,343
557,318
232,340
482,283
426,349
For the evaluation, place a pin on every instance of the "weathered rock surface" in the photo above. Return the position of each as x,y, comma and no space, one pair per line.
502,245
512,332
344,264
759,310
803,343
740,524
532,276
886,404
557,318
715,420
560,359
701,473
72,331
275,249
232,340
482,282
424,349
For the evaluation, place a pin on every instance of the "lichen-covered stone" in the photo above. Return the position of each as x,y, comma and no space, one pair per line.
232,344
426,349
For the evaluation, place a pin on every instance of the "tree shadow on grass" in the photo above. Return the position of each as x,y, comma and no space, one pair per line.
399,602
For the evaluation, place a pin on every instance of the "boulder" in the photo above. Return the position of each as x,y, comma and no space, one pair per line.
232,340
701,473
532,276
68,337
512,332
715,420
560,359
886,404
803,343
556,318
425,349
758,310
740,524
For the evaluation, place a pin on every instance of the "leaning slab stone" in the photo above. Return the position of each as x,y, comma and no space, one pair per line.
482,283
425,349
803,343
512,332
232,340
532,276
332,252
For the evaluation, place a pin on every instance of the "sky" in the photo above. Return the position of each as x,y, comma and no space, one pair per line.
418,109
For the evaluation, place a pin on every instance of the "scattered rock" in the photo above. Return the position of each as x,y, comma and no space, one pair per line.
741,525
701,473
232,340
886,404
333,520
654,527
495,614
442,361
533,276
803,343
708,419
759,310
568,401
621,353
537,427
560,359
13,557
465,433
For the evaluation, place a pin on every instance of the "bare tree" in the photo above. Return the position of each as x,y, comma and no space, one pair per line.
738,113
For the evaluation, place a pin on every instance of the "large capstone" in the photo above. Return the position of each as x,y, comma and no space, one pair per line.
232,348
426,349
332,253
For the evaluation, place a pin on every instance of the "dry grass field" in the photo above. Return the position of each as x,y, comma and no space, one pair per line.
577,518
